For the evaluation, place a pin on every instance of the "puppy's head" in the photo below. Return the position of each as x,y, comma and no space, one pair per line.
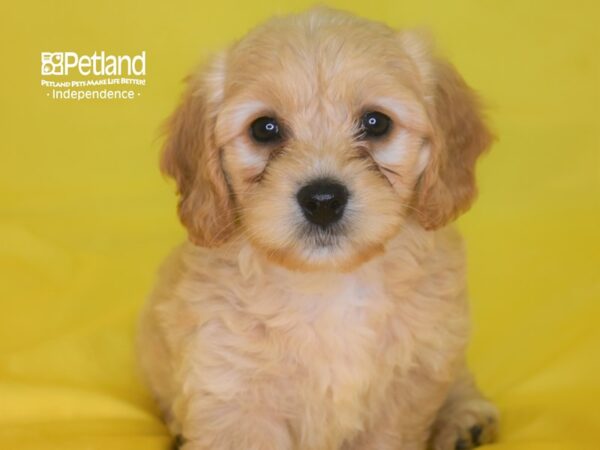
316,136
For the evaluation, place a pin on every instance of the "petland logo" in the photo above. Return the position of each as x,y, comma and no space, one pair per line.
99,76
64,63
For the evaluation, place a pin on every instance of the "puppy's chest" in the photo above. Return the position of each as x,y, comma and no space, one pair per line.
337,352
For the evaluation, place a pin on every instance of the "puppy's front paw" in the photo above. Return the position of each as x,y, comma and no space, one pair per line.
465,426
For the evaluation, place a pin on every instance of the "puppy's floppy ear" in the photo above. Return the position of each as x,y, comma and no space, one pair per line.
459,135
191,157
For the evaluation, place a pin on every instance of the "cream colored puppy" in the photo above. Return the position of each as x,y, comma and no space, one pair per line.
320,303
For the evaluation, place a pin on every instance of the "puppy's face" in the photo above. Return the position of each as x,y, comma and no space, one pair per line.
317,136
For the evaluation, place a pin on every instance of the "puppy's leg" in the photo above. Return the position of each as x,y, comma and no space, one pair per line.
154,358
211,424
466,420
405,418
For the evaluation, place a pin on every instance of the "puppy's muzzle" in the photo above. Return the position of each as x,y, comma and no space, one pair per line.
323,201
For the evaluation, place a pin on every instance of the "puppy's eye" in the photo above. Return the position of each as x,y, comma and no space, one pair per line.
375,124
265,129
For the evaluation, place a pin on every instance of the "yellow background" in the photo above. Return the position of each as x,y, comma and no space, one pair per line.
85,217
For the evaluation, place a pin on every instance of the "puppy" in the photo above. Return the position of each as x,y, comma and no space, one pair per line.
320,303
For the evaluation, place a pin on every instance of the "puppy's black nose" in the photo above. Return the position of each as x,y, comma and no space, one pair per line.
323,201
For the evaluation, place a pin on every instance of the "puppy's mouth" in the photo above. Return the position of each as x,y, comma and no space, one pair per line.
318,237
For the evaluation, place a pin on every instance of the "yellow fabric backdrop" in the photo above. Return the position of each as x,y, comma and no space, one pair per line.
85,217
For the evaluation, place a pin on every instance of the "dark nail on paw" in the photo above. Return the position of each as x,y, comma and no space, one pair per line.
476,431
178,442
